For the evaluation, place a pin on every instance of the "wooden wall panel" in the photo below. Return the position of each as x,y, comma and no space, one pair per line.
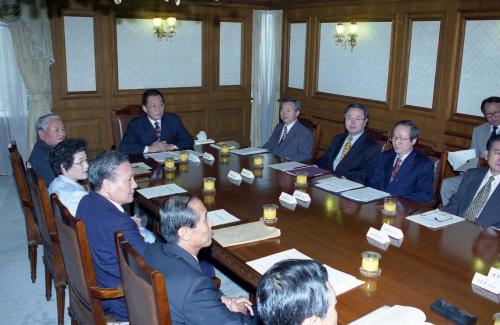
441,127
87,114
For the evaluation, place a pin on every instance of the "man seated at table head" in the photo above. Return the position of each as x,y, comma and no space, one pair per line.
404,171
50,131
478,196
192,295
290,139
352,154
111,179
296,292
155,130
490,107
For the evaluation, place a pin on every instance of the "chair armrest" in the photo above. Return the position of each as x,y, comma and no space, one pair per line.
106,293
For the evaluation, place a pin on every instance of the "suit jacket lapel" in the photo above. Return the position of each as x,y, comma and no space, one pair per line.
338,145
148,127
353,152
489,207
388,169
289,134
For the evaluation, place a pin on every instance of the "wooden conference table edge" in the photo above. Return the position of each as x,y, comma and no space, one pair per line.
238,266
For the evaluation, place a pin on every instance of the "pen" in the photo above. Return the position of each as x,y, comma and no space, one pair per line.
442,220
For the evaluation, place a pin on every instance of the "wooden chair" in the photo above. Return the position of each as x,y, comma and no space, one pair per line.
439,160
85,296
120,119
380,136
32,232
316,131
52,257
144,288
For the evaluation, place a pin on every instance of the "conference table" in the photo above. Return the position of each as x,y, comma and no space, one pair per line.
427,265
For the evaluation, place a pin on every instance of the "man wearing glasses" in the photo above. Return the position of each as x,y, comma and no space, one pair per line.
353,153
404,171
490,107
155,130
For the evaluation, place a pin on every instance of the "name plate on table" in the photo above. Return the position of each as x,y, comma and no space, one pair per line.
486,282
247,173
234,175
194,158
302,196
378,236
287,198
494,273
392,231
208,156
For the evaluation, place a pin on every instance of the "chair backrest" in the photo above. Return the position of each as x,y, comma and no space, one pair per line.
85,309
27,206
144,287
315,128
120,119
380,136
46,224
439,160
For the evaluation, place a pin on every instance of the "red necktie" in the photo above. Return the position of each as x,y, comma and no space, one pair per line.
395,168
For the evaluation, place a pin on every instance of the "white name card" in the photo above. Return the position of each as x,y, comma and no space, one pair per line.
487,283
392,231
287,198
234,175
302,196
194,158
208,156
247,173
377,235
494,273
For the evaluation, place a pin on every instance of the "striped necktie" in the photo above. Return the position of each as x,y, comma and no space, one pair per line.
347,147
395,168
479,201
157,130
285,132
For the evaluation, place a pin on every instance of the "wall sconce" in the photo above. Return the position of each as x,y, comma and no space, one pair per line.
169,30
346,40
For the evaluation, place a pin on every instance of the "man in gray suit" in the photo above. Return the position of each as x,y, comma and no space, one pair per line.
480,135
478,196
290,140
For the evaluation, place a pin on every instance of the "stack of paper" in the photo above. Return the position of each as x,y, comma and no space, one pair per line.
340,281
395,315
162,190
335,184
245,233
161,156
435,219
312,171
221,217
141,168
204,141
365,194
219,144
286,165
463,160
249,151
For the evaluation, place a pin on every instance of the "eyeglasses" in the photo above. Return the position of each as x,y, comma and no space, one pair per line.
348,118
82,162
490,115
399,139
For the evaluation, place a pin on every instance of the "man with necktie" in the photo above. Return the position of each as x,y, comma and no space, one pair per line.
352,154
490,107
404,171
156,130
478,196
290,139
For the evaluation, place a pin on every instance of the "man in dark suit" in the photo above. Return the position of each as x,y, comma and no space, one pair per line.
111,179
404,171
155,130
50,131
290,139
478,196
296,292
353,153
192,296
